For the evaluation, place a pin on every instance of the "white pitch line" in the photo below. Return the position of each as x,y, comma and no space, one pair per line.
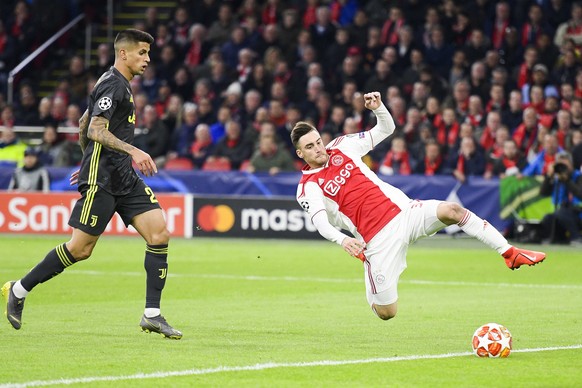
335,280
260,367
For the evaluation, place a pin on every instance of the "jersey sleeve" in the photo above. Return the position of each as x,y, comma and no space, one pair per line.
310,197
106,96
362,143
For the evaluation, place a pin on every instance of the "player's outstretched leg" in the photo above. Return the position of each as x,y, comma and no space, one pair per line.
14,305
449,213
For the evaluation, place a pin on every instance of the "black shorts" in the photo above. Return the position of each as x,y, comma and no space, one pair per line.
96,207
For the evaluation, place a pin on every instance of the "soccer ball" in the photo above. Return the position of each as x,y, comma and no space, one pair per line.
492,340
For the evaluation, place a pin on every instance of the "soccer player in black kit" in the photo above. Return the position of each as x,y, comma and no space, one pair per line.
108,184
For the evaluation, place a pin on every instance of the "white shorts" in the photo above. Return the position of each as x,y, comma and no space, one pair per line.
386,252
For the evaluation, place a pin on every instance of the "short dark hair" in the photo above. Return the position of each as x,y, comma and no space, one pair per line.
131,35
300,129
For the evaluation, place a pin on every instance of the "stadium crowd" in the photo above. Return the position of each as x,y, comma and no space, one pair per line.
476,87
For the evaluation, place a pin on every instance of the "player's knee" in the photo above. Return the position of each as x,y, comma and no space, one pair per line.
81,253
451,212
385,312
162,237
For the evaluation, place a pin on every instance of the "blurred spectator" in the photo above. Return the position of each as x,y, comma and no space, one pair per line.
151,20
511,161
289,31
438,52
7,118
150,83
477,46
534,27
564,185
72,120
44,112
232,147
32,176
563,128
511,52
231,48
390,28
475,114
498,29
576,149
183,136
181,84
525,134
218,128
545,158
54,150
488,136
270,157
335,124
198,48
459,67
360,28
11,148
202,146
468,161
576,111
7,54
27,111
571,29
167,64
566,68
323,30
179,28
539,78
478,80
104,60
172,116
22,29
447,129
154,136
77,78
397,161
433,162
220,29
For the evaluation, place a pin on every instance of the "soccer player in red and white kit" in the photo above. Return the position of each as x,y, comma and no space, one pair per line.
338,190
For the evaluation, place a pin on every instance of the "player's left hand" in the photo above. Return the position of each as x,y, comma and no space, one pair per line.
353,246
372,100
74,179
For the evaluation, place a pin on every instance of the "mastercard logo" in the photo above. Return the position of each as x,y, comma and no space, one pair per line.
215,218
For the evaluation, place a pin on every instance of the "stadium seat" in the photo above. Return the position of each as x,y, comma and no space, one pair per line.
219,164
179,164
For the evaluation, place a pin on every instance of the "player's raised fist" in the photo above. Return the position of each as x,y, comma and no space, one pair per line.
372,100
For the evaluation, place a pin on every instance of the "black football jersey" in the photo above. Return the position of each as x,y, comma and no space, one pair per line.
111,170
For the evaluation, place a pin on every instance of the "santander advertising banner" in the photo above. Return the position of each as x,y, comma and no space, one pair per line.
48,213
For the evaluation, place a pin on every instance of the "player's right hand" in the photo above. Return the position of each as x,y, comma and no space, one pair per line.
372,100
144,162
74,179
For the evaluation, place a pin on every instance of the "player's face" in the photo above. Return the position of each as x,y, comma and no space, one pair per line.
312,150
138,58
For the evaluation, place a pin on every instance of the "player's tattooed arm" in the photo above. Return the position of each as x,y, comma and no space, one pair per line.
99,132
83,127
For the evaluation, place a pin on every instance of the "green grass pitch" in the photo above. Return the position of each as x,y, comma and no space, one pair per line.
289,313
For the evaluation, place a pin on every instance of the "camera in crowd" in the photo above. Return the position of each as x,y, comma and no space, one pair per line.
560,168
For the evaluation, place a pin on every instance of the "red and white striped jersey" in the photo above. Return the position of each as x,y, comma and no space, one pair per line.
352,195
